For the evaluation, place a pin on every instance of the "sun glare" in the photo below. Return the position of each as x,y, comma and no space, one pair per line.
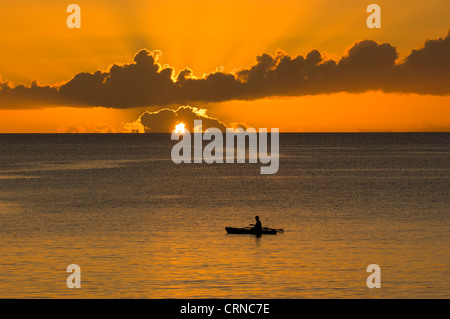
180,128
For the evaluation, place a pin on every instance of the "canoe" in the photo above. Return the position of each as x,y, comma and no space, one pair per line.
250,230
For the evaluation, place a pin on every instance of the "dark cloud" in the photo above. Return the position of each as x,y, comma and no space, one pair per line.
165,120
23,97
143,82
367,65
427,70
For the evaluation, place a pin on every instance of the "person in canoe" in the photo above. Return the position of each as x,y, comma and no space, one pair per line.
257,227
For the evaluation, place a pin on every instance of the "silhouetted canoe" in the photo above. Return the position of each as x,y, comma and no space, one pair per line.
250,230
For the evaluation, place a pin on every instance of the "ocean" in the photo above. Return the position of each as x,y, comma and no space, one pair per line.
140,226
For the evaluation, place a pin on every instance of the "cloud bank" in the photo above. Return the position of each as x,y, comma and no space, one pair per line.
367,65
164,120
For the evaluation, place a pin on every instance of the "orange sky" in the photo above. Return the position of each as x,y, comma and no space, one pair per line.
368,112
204,35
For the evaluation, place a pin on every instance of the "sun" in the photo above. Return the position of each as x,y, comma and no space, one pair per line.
180,128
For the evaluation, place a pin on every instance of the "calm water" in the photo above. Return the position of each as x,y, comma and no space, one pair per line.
140,226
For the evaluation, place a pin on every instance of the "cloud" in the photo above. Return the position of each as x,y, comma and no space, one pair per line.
164,120
367,65
427,70
23,97
90,128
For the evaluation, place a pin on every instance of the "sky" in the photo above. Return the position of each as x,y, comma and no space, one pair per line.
300,66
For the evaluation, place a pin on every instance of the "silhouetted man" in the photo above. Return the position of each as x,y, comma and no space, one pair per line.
258,225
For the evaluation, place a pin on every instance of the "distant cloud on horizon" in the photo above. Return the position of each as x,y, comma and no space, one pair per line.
164,120
366,66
